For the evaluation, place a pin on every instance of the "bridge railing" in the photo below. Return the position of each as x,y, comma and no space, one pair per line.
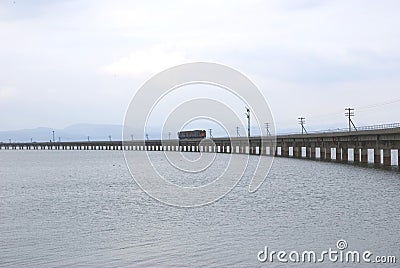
372,127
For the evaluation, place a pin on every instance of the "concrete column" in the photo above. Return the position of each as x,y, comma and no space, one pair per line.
313,153
270,152
364,155
377,156
297,152
356,155
345,154
387,160
398,157
322,153
285,151
338,154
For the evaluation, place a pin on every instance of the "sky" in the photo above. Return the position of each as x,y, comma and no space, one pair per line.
68,62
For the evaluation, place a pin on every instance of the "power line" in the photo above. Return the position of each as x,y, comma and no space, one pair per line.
371,106
359,109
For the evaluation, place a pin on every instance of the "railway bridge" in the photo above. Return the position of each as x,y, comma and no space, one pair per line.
378,146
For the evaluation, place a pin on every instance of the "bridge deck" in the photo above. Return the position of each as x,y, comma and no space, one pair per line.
339,146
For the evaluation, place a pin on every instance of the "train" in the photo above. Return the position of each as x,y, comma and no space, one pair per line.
192,134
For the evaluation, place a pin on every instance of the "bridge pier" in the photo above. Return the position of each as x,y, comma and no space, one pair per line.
322,153
297,152
338,154
345,154
377,156
398,157
387,157
313,153
364,155
307,152
356,155
285,151
328,154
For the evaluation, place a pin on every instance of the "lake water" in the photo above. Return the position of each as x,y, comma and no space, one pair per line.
81,208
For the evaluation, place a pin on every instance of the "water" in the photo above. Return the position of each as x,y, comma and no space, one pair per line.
81,208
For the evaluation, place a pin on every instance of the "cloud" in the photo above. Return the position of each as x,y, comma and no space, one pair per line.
56,54
7,93
143,62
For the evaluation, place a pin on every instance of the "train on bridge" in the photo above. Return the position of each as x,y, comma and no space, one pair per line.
192,134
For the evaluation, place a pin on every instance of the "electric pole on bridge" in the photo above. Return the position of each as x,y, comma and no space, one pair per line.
248,121
302,121
169,135
237,132
54,140
349,114
267,126
109,137
210,131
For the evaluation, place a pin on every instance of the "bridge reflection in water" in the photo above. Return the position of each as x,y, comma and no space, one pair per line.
378,146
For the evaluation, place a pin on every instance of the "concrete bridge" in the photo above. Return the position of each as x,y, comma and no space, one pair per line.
343,147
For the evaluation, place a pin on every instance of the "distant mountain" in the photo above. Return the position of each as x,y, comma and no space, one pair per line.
77,132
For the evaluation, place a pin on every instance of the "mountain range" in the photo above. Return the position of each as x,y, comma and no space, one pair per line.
76,132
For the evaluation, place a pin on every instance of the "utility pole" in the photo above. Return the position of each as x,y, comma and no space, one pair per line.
248,121
59,139
210,131
349,114
169,135
31,140
267,125
147,136
302,121
53,137
109,137
237,132
132,137
88,138
9,140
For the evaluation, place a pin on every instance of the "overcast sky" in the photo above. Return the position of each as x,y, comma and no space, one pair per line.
67,62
